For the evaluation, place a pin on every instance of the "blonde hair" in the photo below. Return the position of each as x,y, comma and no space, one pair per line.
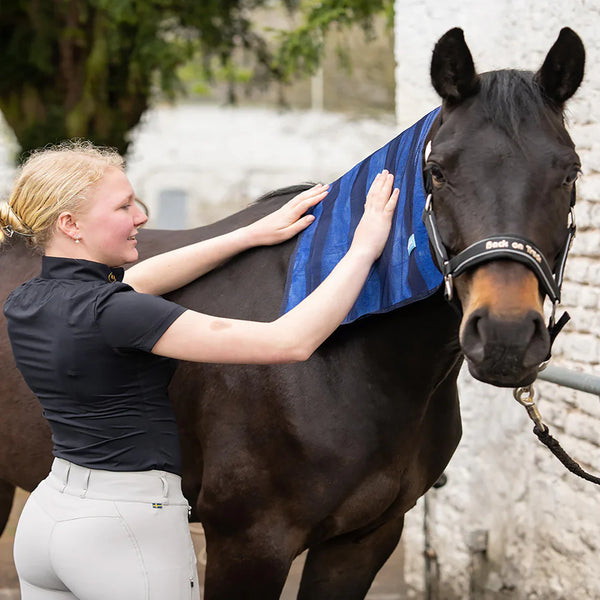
51,181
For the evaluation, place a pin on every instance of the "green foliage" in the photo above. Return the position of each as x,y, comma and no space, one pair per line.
301,49
84,68
89,68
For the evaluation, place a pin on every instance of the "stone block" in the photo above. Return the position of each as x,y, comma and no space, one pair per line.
582,427
578,269
587,243
582,347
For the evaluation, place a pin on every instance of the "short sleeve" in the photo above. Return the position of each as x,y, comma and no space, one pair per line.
128,319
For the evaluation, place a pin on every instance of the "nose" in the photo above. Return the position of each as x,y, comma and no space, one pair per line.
505,346
140,217
503,335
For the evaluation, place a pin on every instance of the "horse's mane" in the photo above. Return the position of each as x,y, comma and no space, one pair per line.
508,96
291,190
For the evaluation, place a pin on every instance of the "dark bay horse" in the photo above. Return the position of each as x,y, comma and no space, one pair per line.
330,454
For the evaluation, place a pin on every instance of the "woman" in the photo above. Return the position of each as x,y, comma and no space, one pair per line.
96,344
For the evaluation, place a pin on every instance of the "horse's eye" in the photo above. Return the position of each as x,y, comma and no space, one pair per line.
571,178
437,175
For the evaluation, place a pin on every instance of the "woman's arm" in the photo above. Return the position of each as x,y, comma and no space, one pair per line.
297,334
171,270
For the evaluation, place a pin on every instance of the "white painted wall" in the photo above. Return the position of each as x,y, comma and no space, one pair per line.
512,523
225,158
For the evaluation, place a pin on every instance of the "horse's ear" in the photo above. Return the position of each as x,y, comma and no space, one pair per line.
562,71
452,70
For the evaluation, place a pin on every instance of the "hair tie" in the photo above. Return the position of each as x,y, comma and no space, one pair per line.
9,230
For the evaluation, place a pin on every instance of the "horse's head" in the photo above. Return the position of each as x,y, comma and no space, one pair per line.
502,166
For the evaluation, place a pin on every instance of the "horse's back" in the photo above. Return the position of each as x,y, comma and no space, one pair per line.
250,285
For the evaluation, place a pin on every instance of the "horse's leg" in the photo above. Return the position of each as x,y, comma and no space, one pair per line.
248,566
344,568
7,493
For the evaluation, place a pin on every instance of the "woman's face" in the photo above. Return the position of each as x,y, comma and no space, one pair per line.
110,221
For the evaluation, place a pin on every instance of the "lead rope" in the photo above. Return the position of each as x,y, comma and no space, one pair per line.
524,396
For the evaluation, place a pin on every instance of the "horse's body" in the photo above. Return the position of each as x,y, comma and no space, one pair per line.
330,454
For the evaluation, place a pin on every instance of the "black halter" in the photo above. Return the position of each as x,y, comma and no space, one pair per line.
497,247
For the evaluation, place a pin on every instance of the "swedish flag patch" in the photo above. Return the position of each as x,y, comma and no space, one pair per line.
157,505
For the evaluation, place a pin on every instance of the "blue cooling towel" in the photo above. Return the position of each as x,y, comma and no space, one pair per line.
405,272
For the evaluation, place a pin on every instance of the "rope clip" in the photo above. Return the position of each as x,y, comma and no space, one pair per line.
524,396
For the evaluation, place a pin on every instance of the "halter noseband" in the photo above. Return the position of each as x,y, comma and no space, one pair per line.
498,247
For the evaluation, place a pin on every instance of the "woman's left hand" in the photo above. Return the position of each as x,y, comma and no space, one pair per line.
289,220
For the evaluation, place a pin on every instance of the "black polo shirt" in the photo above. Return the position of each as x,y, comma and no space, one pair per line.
82,339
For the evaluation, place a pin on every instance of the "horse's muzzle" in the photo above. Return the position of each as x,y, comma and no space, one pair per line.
505,352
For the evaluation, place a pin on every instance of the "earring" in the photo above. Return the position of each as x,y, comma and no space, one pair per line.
77,240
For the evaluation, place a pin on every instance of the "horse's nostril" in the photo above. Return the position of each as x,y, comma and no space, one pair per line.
473,337
539,342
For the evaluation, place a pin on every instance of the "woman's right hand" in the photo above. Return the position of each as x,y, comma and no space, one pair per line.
374,227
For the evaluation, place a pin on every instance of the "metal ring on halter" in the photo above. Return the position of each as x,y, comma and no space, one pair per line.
543,365
553,313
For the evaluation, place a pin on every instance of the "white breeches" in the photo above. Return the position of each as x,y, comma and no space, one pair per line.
87,534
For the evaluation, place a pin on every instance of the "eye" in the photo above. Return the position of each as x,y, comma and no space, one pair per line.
437,175
571,177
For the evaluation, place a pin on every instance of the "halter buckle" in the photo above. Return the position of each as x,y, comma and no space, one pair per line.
571,219
448,287
428,203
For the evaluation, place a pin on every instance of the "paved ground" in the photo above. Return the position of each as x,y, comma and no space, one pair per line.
387,586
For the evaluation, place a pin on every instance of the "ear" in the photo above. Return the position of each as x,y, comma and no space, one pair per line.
67,225
562,70
452,70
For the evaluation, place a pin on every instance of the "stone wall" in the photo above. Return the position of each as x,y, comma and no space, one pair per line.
512,522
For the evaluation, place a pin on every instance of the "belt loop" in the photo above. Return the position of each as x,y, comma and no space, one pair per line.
65,478
165,486
86,483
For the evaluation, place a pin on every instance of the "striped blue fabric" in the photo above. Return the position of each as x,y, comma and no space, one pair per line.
406,271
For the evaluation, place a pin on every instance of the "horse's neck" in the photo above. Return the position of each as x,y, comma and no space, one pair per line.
417,342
